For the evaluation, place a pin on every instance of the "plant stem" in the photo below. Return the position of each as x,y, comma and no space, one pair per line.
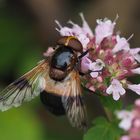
108,114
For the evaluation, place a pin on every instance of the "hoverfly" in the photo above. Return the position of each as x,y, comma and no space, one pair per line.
56,79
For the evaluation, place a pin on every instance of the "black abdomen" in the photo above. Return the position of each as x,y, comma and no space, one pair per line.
52,103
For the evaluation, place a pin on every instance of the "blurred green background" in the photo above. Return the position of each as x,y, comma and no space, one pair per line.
27,28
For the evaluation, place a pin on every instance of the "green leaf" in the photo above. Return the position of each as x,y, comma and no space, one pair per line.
110,104
103,130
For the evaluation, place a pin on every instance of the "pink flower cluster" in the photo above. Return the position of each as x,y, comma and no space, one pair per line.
130,122
110,60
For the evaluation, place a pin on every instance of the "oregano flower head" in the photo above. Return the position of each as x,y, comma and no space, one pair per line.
110,59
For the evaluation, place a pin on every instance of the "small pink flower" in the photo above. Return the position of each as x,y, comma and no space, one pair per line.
131,121
99,79
136,53
116,89
103,29
122,44
125,138
134,87
126,118
136,123
96,67
85,64
136,71
137,102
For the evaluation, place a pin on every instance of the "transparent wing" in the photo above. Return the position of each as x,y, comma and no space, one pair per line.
73,101
25,88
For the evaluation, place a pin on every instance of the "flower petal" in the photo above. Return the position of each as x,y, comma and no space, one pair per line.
136,71
76,28
123,114
94,74
135,88
103,29
116,96
122,44
65,31
136,123
122,91
126,118
97,65
86,27
83,39
137,102
85,62
135,53
125,124
109,90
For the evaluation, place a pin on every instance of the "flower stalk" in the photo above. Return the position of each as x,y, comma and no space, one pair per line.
109,114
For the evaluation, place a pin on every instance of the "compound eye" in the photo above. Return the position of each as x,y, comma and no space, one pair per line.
71,42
